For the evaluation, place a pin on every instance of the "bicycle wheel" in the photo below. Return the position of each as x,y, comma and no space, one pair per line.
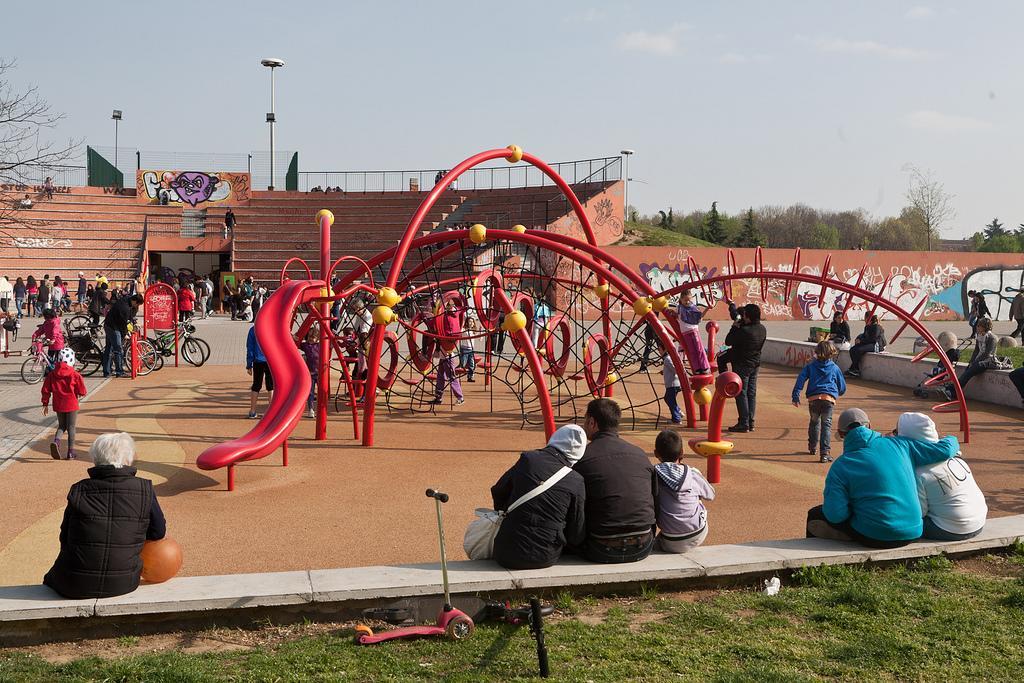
195,351
33,369
77,325
147,357
89,359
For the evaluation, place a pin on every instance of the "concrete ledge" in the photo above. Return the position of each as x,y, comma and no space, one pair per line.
992,386
35,613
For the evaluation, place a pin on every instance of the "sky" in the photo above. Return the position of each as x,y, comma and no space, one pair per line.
743,103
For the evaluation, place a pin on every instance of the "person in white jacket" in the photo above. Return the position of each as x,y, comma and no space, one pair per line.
952,505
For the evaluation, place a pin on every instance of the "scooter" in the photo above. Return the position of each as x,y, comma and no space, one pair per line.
451,623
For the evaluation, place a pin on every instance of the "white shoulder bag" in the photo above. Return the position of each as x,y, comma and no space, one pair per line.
479,539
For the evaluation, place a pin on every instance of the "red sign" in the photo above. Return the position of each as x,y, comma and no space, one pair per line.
161,307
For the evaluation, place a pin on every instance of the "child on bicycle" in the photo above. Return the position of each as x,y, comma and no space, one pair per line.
51,334
66,386
310,347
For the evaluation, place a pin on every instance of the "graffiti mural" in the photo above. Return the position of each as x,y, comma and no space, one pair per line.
192,187
936,281
40,243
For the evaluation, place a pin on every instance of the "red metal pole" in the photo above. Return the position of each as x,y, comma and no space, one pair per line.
326,218
284,453
231,477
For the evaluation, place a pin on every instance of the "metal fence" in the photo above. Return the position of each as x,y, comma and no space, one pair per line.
130,159
603,169
63,175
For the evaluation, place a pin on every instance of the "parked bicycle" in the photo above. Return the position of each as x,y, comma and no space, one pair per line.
194,350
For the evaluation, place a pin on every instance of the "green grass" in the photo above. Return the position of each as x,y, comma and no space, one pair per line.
650,236
928,622
1016,354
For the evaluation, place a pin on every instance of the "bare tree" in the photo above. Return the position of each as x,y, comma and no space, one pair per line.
928,197
24,157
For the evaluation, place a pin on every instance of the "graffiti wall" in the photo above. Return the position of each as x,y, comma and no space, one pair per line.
940,279
191,187
605,212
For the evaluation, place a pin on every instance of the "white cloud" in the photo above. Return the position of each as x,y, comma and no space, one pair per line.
867,47
665,43
920,12
737,58
927,119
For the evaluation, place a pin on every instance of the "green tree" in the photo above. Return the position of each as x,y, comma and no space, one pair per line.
824,236
994,229
1001,244
750,234
668,220
714,230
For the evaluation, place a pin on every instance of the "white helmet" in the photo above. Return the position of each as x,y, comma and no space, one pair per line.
66,355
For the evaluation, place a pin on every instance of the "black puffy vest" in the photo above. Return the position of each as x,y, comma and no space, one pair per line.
101,537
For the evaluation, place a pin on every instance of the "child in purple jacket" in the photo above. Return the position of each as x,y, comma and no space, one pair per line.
310,347
682,517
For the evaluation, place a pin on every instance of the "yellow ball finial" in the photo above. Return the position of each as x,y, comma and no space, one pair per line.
516,154
519,228
642,306
611,378
478,234
600,291
703,396
383,315
514,321
659,303
325,212
387,296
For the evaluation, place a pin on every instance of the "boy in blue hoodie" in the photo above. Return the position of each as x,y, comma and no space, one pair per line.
825,384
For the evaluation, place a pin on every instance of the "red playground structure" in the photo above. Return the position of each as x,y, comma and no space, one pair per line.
579,322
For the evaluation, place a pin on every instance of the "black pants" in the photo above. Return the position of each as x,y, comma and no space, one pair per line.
1020,328
819,527
857,352
618,551
1017,377
746,400
261,372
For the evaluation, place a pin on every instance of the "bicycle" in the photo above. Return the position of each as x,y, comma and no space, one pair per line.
88,351
39,362
194,350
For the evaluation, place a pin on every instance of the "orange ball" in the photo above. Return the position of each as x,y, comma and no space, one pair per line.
161,560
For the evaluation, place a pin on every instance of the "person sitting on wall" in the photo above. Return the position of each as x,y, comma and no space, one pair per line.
621,489
535,532
25,203
983,358
953,506
871,340
870,491
839,330
107,519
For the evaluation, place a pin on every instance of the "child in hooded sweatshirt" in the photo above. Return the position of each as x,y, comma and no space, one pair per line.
66,386
825,384
310,347
682,517
952,505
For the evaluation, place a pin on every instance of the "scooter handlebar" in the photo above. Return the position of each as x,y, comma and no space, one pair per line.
438,495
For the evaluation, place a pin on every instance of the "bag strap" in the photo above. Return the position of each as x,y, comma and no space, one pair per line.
530,495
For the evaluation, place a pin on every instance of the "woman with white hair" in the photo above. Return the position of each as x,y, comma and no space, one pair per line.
108,518
537,528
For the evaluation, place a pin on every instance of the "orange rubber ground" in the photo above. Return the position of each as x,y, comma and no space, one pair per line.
339,504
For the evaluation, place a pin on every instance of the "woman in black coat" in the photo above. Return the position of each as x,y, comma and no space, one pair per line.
108,518
839,330
871,340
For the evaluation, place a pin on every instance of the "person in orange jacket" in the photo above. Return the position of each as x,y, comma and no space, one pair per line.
66,386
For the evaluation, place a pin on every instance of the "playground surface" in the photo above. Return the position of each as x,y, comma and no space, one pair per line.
338,504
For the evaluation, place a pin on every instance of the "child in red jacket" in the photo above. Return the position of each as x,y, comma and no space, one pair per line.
66,386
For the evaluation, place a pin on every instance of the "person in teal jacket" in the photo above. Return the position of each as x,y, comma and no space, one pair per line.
870,491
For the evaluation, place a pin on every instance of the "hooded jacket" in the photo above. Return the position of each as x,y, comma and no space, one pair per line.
947,491
534,534
66,386
873,486
822,377
680,489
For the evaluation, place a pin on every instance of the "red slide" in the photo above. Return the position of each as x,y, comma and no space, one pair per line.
291,381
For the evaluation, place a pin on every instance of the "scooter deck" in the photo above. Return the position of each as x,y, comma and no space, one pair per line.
400,633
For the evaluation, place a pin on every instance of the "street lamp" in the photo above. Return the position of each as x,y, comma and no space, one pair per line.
272,64
625,184
117,117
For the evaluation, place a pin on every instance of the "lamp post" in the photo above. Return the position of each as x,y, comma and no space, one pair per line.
272,64
625,184
117,118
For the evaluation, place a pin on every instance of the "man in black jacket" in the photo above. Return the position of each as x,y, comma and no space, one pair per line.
745,340
534,533
621,488
115,327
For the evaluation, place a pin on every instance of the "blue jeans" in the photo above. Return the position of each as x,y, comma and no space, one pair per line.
20,303
820,426
467,360
746,400
114,350
673,406
972,370
933,532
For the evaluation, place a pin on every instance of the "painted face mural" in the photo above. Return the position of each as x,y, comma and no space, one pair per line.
194,187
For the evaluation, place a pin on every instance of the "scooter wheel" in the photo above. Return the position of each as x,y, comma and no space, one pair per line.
363,630
459,628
